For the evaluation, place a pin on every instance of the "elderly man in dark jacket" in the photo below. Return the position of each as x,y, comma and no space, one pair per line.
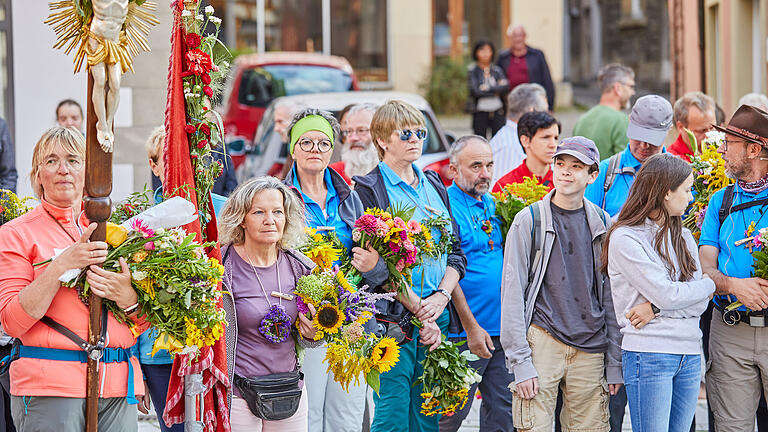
523,64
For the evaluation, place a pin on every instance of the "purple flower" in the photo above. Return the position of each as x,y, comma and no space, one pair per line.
276,325
301,306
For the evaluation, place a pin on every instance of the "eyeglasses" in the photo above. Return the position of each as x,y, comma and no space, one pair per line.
406,134
727,142
632,85
358,132
52,164
323,145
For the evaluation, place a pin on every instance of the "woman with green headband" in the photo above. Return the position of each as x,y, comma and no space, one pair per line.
330,205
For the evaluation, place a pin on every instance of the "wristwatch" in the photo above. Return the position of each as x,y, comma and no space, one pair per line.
444,292
131,309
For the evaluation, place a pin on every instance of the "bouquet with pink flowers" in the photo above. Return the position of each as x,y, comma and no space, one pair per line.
402,243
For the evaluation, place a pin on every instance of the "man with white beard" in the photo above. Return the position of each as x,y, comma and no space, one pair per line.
358,154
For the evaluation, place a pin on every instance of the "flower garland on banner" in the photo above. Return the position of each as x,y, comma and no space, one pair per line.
709,177
11,206
403,245
341,310
204,73
514,197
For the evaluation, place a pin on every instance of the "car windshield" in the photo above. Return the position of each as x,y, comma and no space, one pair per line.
260,85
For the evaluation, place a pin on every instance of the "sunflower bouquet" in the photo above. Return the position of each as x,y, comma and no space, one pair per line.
403,243
11,206
175,281
514,197
324,248
709,177
341,311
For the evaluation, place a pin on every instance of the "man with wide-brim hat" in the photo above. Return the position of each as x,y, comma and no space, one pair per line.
738,345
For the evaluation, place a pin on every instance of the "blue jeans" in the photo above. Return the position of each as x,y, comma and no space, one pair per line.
157,377
496,406
662,390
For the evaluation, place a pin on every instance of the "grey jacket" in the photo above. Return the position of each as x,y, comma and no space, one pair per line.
518,296
638,273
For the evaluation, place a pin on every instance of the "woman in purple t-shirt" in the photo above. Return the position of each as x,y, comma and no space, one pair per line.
259,223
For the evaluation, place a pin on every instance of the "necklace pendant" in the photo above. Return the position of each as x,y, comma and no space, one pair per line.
283,296
325,228
432,210
490,243
749,241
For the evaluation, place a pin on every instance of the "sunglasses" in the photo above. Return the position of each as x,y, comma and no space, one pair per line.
406,134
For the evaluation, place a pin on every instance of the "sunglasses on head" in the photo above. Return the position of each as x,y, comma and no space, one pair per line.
406,134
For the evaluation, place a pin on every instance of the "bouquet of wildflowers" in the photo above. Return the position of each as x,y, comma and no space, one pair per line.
11,206
514,197
403,245
175,281
131,206
205,71
760,264
341,311
447,377
709,177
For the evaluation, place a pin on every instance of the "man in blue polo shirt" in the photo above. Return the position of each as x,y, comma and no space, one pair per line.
481,237
738,363
649,121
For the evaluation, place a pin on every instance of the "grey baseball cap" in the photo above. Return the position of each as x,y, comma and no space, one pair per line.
650,119
583,149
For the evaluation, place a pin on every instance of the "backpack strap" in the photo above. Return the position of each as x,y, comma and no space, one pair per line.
537,229
725,206
610,175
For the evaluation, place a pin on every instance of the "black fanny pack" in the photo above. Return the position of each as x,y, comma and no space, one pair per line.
271,397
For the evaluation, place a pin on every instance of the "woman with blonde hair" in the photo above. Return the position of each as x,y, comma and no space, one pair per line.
49,320
398,131
260,224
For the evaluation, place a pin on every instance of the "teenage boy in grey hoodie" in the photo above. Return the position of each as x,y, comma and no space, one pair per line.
558,325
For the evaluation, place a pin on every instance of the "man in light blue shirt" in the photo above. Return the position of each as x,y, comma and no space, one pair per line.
508,153
481,240
649,122
737,361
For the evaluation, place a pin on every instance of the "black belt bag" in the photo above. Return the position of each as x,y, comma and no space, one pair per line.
271,397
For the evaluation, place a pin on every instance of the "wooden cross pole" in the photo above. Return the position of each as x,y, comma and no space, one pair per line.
98,206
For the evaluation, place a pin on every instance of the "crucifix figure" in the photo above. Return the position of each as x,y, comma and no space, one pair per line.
104,61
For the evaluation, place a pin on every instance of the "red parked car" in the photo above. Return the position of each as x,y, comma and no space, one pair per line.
257,79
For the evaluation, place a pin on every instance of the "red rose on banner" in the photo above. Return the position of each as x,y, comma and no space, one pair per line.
206,79
208,91
204,128
193,40
202,144
189,129
198,62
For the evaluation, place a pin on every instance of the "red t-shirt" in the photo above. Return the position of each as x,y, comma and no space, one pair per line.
519,174
339,168
680,149
517,71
